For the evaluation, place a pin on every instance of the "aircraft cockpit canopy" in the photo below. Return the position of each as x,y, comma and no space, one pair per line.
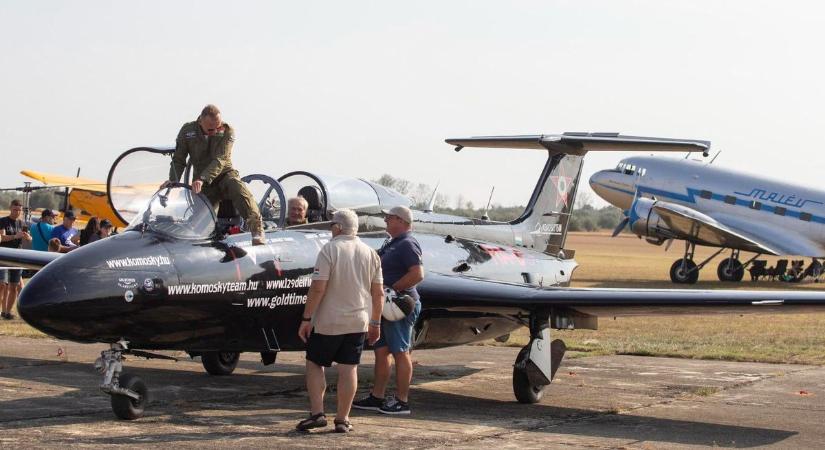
177,212
328,193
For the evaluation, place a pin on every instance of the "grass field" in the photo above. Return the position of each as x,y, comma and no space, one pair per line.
625,261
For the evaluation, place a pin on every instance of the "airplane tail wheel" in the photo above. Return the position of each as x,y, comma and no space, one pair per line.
684,271
220,363
524,391
125,407
730,270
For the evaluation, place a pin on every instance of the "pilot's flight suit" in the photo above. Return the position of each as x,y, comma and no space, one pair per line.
211,161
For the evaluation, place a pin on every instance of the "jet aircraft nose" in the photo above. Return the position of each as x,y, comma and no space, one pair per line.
91,293
614,187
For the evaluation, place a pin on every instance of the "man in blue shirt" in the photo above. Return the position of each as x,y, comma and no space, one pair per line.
42,231
402,268
66,234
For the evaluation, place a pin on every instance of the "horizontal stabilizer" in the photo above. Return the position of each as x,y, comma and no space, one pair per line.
581,143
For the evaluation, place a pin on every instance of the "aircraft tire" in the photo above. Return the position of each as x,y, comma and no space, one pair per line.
734,274
127,408
220,363
680,276
524,391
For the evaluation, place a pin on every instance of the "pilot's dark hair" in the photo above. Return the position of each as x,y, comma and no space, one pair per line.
16,202
210,110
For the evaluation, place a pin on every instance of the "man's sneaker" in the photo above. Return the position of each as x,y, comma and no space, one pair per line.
395,407
370,402
5,316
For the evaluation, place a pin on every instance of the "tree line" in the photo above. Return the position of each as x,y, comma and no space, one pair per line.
41,198
585,216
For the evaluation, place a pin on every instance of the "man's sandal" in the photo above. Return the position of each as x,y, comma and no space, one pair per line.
342,426
314,421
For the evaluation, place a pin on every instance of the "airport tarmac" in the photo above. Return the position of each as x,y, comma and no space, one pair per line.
462,398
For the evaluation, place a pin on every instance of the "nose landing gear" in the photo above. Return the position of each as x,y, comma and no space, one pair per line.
128,392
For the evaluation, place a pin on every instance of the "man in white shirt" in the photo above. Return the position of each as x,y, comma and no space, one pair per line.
343,304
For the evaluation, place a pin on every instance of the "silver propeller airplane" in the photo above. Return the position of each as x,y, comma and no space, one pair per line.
665,199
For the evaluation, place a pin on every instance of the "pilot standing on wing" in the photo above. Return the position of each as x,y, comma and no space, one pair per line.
208,144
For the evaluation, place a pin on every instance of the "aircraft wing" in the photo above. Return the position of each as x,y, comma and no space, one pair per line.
458,292
26,259
581,143
780,241
687,223
50,179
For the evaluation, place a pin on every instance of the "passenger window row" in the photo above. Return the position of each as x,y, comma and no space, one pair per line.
778,210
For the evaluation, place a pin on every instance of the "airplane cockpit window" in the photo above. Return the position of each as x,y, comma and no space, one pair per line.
175,211
327,193
310,187
629,169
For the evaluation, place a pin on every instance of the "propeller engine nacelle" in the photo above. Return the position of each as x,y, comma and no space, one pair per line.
644,222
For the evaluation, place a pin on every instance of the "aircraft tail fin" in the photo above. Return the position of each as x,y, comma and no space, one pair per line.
543,225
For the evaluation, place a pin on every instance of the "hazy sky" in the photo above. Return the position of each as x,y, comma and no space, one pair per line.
362,88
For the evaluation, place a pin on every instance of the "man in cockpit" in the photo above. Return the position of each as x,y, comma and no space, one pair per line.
296,211
207,142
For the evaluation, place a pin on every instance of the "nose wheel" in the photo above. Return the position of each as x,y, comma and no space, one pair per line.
128,392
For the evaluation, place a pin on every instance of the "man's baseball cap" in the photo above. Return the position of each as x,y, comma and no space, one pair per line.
105,223
47,213
347,219
402,212
69,215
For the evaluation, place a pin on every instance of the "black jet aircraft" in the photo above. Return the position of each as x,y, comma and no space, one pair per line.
183,277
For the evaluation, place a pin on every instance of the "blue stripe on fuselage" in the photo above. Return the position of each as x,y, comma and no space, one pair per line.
691,195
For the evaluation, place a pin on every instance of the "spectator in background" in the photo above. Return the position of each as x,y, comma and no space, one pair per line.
104,231
42,231
66,234
54,245
12,234
92,228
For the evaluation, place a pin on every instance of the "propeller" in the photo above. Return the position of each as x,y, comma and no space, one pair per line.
628,214
622,224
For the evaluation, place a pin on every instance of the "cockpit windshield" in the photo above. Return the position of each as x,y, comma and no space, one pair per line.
177,212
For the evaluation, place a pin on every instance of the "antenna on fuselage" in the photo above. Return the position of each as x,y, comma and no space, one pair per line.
431,203
484,215
715,156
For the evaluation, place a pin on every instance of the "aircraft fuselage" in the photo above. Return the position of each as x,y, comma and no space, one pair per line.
199,295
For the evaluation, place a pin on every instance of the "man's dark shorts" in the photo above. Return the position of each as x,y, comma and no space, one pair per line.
11,276
324,349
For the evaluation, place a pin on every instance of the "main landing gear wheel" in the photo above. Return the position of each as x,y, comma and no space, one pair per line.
684,271
730,269
220,363
128,408
524,391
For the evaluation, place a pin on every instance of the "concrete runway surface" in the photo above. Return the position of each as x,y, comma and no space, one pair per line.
461,398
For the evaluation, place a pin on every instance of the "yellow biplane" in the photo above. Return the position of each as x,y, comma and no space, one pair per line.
86,194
